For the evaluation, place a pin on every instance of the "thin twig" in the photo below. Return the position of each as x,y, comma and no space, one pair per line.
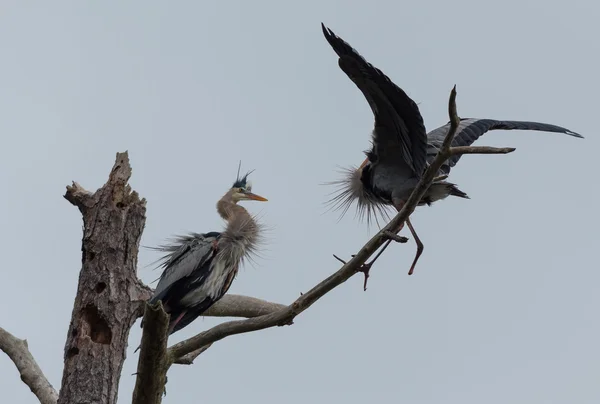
395,237
189,358
339,259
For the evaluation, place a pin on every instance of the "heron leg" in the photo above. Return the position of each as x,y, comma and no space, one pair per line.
178,319
419,245
367,266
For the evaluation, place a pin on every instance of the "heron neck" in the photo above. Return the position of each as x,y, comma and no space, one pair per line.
229,210
242,230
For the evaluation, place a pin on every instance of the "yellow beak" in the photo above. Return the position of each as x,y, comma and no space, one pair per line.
254,197
364,163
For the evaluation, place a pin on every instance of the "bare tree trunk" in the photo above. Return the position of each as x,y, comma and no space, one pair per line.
109,295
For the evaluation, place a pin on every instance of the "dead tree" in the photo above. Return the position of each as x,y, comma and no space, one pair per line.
110,297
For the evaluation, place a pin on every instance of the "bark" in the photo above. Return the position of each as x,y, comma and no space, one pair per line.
109,295
152,363
31,374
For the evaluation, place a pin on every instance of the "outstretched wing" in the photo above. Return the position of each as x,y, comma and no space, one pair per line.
399,128
470,129
187,260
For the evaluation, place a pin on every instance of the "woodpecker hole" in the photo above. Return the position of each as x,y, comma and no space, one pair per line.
95,326
120,205
74,332
100,287
91,255
72,352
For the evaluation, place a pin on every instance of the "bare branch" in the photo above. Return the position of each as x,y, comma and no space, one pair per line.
31,374
286,315
152,363
241,306
455,151
79,197
395,237
228,306
232,306
454,122
189,358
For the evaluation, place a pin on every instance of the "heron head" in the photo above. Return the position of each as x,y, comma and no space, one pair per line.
242,190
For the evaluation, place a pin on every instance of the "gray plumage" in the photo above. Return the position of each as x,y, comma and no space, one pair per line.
470,129
401,149
199,268
399,134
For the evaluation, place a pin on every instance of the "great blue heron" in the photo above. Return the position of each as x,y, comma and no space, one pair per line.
200,267
401,149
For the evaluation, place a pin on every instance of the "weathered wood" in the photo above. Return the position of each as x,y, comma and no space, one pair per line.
109,295
152,363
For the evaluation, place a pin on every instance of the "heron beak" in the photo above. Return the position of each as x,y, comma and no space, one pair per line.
254,197
364,163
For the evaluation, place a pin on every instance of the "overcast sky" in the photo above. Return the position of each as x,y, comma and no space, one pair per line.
503,306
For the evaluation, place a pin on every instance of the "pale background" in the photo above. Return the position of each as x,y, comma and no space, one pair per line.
504,304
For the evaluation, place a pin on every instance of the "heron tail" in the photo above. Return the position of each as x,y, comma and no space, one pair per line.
441,190
454,191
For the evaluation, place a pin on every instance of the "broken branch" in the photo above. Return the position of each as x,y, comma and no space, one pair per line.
152,363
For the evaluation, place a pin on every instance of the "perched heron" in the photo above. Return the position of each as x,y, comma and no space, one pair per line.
200,267
401,148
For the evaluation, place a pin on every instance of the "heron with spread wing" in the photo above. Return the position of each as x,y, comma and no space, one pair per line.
401,148
200,267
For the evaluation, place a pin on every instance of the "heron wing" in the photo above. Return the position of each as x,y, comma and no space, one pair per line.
188,257
398,122
194,312
471,129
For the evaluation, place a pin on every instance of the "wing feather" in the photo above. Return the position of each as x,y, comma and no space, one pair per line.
398,122
186,257
471,129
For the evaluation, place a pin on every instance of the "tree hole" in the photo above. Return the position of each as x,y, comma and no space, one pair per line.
100,287
72,352
95,326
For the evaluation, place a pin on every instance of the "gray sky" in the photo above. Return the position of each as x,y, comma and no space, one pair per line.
503,305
